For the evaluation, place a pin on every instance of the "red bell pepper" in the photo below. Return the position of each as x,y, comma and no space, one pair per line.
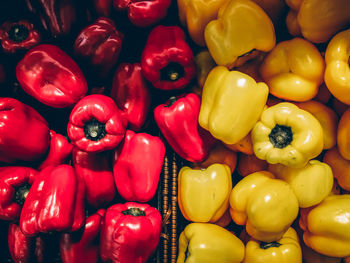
99,44
24,134
83,247
103,7
177,119
167,60
137,166
55,202
51,76
143,13
96,171
131,94
130,232
96,124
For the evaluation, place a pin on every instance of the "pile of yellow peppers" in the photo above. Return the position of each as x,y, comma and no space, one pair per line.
276,186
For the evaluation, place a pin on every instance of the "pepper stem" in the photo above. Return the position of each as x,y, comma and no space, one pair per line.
171,101
134,211
281,136
21,193
172,72
94,130
18,33
264,245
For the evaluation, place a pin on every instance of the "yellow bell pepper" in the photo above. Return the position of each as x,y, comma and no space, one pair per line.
287,135
343,135
311,183
311,256
205,64
292,23
203,194
231,104
285,250
293,70
208,243
241,30
267,206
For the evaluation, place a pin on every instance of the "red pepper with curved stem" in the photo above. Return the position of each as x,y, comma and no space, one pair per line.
103,7
96,124
24,134
177,119
130,232
167,60
55,202
99,44
97,173
143,13
131,94
137,166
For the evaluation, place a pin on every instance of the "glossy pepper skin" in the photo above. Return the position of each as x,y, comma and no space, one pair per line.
143,13
55,202
207,243
231,104
167,60
177,119
287,135
131,94
23,131
51,76
130,232
96,124
137,166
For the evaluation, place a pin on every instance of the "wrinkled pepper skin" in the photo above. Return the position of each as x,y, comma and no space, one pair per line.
55,202
231,104
167,60
24,133
207,243
131,94
51,76
130,232
177,119
137,166
96,124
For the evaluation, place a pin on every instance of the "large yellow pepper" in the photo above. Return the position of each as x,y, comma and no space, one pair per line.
231,104
311,256
204,194
287,135
285,250
208,243
343,135
293,70
240,31
267,206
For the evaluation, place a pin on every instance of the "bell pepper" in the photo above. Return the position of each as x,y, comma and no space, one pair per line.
248,164
311,256
287,135
15,182
324,95
96,124
252,67
204,64
130,232
177,119
338,106
19,35
24,134
292,23
252,25
137,166
203,194
103,7
131,94
99,45
167,60
273,8
267,206
143,13
83,247
51,76
244,145
225,219
293,70
231,104
96,172
207,243
55,202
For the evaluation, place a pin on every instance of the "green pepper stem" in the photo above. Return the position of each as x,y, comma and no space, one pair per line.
172,72
264,245
94,130
281,136
18,33
134,211
21,193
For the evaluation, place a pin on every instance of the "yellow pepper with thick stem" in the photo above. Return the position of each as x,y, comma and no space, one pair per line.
231,104
267,206
287,135
209,243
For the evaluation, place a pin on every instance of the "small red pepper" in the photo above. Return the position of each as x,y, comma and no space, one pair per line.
131,94
177,119
96,124
167,60
143,13
130,232
24,134
137,166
